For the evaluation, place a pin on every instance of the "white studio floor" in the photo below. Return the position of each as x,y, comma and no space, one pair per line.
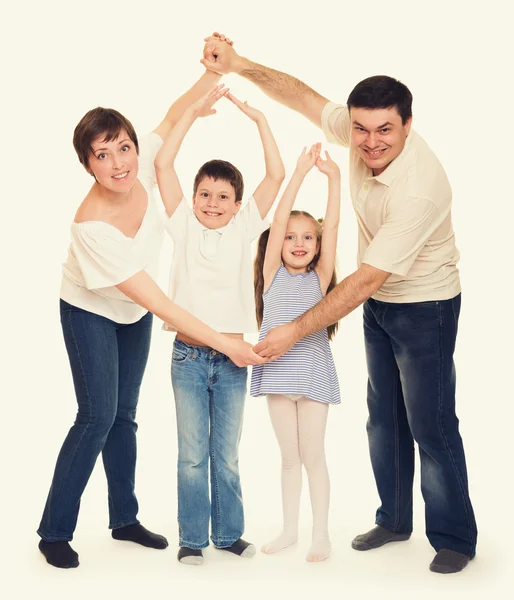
109,567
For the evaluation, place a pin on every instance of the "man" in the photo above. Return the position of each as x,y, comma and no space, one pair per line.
409,283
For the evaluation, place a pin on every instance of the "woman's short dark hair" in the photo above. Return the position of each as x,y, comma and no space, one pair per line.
382,91
221,169
100,121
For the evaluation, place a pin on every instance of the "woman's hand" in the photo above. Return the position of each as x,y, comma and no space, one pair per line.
328,166
307,160
241,353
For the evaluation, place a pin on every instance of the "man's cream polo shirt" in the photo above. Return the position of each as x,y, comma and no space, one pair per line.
404,217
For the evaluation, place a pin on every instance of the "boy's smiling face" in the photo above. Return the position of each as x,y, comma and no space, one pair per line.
214,203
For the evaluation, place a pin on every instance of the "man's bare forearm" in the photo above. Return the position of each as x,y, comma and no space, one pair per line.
345,297
284,88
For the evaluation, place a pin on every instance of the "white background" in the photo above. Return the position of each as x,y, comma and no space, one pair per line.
61,59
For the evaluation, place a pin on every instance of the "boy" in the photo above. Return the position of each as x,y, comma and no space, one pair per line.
211,276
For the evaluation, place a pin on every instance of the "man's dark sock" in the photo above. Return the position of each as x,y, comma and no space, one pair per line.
140,535
190,556
376,537
59,554
241,548
448,561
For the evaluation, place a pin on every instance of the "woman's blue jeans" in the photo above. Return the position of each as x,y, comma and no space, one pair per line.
107,361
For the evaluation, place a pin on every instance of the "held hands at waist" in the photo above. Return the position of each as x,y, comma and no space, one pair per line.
278,341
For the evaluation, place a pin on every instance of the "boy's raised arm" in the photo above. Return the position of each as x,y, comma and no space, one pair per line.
167,178
267,190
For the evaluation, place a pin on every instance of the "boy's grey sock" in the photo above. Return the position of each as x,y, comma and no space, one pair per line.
376,537
190,556
241,548
449,561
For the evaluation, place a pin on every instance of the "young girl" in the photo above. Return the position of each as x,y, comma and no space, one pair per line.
294,269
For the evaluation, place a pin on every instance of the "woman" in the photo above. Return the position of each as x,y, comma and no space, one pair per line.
107,296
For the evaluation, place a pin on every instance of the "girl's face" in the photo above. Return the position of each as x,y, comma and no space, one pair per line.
300,243
114,164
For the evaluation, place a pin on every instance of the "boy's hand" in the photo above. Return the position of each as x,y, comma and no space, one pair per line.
328,166
308,159
203,106
220,56
254,114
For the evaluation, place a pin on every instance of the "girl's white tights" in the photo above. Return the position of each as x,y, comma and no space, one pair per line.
300,425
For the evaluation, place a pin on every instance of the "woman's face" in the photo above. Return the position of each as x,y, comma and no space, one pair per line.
114,164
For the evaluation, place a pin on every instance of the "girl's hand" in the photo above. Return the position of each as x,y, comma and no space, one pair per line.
203,106
254,114
307,160
328,166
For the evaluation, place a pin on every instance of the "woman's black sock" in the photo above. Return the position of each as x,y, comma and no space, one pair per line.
140,535
59,554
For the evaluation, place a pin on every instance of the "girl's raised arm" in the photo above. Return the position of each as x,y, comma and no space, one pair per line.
327,257
278,229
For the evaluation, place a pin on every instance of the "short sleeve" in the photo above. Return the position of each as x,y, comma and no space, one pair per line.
250,219
401,238
176,224
149,146
335,123
105,258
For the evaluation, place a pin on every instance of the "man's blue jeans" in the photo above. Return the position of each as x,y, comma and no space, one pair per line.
411,397
107,363
209,395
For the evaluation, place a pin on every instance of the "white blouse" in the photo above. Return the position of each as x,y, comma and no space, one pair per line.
212,272
100,256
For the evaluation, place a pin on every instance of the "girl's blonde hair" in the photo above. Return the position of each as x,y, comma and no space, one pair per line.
258,265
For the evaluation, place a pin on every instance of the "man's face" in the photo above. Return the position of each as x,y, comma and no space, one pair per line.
214,203
378,135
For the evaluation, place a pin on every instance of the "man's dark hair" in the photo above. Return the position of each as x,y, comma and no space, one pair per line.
221,169
382,91
105,122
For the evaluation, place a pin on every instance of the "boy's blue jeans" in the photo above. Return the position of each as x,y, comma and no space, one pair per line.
209,395
411,397
107,361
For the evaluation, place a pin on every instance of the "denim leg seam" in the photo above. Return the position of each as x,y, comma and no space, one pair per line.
397,457
85,387
440,424
214,475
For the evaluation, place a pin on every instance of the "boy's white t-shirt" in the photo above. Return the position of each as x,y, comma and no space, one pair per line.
211,271
100,256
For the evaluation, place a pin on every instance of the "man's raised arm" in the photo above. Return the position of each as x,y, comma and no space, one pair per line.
220,56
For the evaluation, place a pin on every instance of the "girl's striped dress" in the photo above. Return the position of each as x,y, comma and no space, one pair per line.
308,368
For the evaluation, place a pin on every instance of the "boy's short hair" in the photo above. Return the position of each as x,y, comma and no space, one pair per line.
100,121
382,91
221,169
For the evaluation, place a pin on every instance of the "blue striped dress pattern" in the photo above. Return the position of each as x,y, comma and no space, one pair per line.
308,368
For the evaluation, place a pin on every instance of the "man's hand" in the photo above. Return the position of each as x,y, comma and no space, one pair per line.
278,341
203,106
241,353
254,114
328,166
220,56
